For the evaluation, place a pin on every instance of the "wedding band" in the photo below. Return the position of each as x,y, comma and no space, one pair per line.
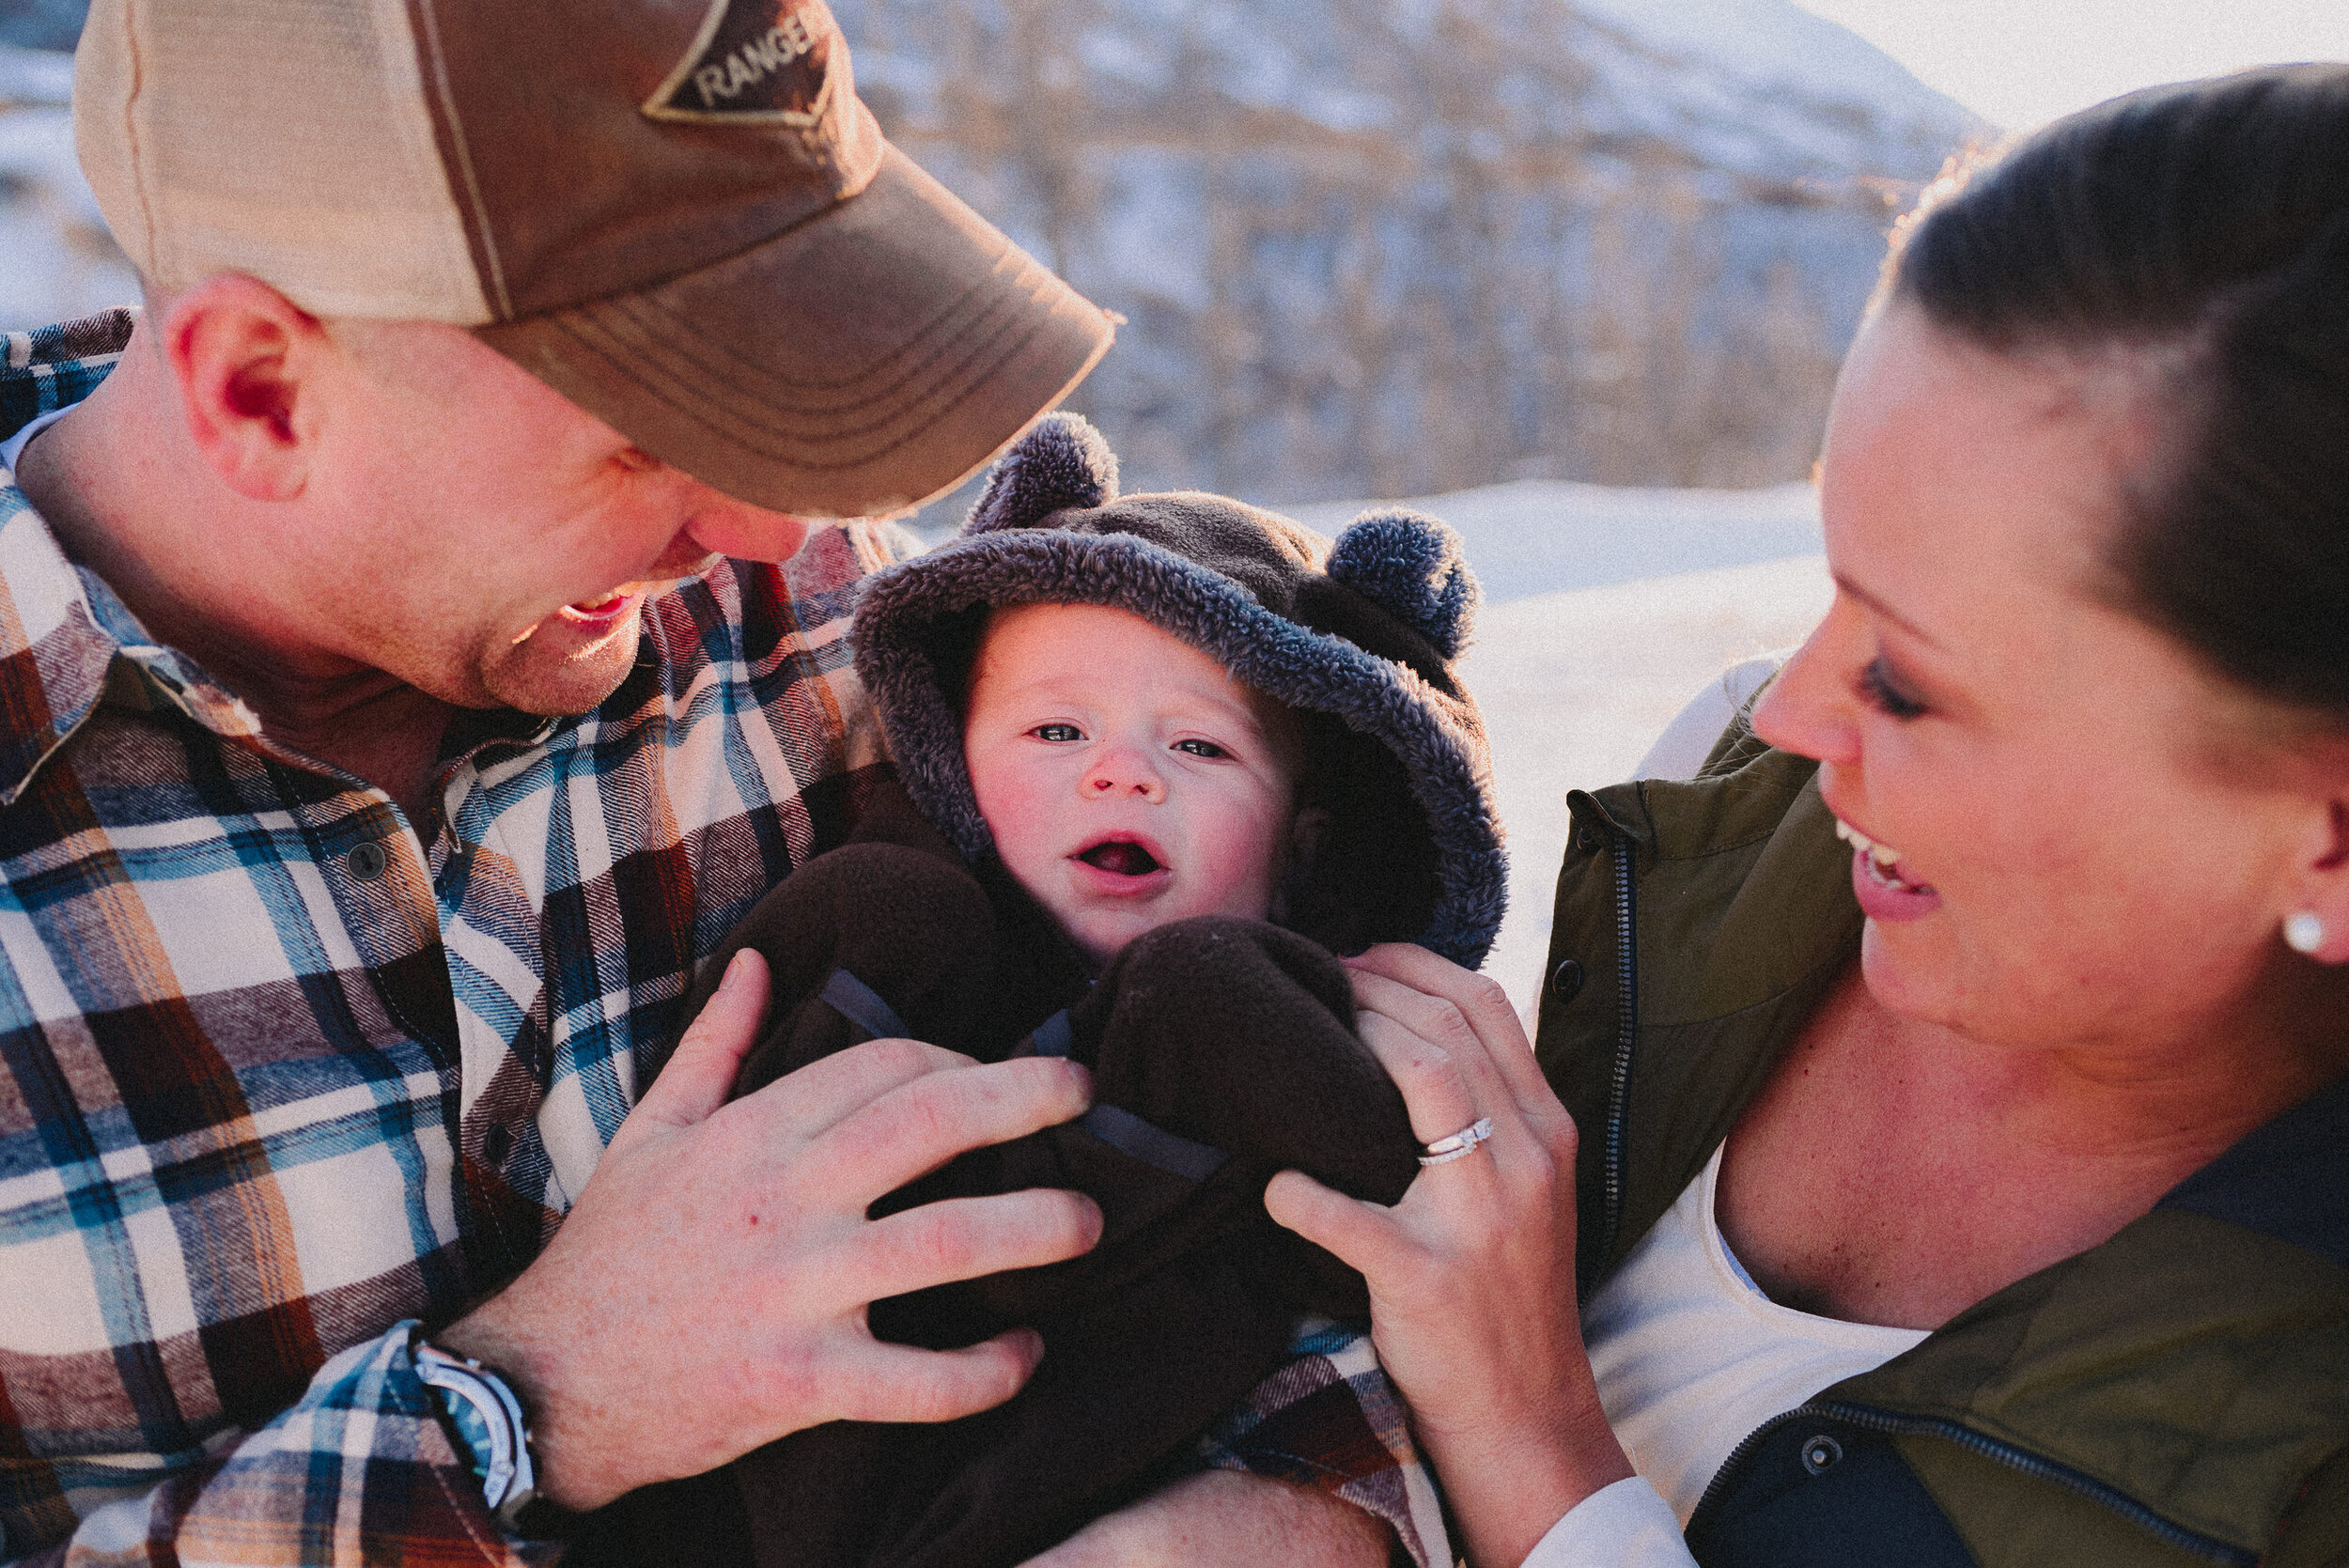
1443,1151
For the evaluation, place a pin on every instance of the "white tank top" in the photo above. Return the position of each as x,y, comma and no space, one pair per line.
1691,1356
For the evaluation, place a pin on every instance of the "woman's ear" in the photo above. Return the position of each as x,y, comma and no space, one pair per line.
2317,924
247,361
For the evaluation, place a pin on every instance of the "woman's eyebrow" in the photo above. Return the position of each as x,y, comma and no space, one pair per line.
1872,602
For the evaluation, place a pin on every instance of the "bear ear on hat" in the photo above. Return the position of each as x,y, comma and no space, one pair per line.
1415,567
1062,461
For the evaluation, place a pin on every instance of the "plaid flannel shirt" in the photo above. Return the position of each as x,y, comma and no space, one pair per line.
282,1073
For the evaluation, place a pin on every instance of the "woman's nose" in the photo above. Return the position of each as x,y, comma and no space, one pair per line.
1808,706
1124,770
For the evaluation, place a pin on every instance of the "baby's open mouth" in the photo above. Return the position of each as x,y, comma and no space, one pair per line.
1120,857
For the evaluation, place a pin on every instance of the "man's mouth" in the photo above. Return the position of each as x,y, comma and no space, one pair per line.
1881,860
603,607
1120,857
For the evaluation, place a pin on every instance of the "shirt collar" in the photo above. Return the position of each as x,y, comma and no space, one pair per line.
62,629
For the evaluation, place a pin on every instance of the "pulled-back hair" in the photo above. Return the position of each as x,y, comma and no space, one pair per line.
2209,222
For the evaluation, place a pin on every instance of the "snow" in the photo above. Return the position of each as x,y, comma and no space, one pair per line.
1539,536
1775,43
1576,685
1606,611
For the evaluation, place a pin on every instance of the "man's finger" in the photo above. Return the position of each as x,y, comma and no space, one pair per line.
920,1125
701,1072
829,1090
962,1238
900,1383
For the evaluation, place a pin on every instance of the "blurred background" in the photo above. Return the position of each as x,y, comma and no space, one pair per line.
1364,247
1576,274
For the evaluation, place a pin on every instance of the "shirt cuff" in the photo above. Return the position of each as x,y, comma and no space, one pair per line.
1622,1526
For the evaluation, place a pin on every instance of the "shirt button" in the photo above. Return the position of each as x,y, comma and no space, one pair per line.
496,1143
1566,980
368,861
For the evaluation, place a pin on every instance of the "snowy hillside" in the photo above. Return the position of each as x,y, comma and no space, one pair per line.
1400,246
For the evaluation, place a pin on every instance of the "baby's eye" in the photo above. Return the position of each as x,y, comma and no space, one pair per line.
1201,747
1057,732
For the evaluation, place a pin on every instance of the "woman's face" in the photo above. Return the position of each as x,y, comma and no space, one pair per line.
2089,847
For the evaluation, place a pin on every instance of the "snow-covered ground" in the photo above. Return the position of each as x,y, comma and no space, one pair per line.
1576,685
1606,611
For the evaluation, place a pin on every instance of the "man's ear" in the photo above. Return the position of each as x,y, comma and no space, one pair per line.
247,361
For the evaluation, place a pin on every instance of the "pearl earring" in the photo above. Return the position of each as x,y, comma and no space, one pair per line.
2304,932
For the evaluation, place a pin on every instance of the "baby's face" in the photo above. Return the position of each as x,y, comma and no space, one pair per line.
1127,779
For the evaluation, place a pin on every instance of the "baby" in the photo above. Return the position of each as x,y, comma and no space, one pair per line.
1162,757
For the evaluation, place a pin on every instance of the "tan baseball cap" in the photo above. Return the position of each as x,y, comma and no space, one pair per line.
675,212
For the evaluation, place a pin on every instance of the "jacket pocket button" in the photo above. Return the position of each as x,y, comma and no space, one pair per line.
368,861
1566,980
1821,1453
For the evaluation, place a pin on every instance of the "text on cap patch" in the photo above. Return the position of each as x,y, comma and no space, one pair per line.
758,60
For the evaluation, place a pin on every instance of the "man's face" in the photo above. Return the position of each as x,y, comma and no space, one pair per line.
1127,779
494,543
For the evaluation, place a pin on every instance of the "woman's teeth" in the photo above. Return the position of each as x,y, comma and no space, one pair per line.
1882,858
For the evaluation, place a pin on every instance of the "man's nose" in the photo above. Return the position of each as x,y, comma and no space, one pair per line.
721,525
1121,771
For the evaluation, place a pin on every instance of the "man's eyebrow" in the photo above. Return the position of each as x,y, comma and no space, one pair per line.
1872,602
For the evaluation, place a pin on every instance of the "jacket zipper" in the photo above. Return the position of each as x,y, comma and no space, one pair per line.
2190,1541
1621,855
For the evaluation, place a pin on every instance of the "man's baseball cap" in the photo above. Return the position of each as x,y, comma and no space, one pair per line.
675,212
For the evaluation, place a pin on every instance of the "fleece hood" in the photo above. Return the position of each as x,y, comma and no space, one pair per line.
1359,635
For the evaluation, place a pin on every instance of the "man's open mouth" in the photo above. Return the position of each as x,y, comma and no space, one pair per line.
1120,857
604,606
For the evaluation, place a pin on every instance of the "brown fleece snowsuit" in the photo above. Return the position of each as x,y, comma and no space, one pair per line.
1221,1049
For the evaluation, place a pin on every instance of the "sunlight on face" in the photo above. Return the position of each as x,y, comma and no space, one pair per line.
2058,855
1127,779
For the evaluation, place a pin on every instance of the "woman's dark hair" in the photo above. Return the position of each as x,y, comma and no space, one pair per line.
2208,222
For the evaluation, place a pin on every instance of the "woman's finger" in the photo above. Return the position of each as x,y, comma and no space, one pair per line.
1443,1029
1437,1094
1363,1236
1483,1002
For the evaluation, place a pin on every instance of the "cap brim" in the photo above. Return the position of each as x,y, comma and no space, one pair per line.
853,366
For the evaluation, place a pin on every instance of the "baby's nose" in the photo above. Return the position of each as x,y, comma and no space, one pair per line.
1123,771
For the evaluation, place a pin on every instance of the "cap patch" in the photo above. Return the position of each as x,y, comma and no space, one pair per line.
761,61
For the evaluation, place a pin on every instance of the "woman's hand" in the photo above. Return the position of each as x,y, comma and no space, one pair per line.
1472,1276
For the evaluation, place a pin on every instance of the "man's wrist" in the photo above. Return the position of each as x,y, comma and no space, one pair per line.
486,1422
496,1337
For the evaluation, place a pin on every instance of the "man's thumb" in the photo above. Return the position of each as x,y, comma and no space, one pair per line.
701,1073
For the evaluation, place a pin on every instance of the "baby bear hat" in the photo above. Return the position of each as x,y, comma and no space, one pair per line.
1359,635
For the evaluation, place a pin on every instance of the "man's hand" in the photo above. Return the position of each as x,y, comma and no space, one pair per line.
707,1294
1224,1516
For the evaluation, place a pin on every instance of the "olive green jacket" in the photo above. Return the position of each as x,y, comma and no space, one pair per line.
2177,1394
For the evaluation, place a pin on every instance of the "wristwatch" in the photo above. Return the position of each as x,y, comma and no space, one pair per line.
485,1417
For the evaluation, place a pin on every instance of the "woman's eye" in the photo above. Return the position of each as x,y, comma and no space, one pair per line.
1057,732
1877,689
1201,747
